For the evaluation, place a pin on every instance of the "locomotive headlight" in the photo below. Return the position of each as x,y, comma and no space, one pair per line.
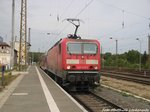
95,68
68,67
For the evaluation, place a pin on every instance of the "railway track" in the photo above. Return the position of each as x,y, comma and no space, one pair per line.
137,74
95,103
128,76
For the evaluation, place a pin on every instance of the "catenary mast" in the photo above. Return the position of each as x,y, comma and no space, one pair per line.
23,35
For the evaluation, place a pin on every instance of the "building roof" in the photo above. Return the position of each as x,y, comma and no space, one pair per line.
4,44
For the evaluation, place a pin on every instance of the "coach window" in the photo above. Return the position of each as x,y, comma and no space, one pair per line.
59,48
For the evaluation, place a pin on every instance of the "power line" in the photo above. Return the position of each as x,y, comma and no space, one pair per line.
76,16
84,8
125,11
67,8
63,13
120,29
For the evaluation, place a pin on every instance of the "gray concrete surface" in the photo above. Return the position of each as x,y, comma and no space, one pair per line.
28,95
64,103
33,99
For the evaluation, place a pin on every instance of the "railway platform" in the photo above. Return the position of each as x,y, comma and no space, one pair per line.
36,92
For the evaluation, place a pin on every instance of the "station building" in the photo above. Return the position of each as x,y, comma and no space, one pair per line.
16,46
5,54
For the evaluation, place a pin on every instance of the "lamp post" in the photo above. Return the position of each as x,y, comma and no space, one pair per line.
116,50
140,54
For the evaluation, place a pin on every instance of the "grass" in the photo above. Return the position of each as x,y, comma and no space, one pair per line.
125,94
7,79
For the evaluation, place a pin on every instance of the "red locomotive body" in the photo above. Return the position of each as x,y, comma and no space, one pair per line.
75,62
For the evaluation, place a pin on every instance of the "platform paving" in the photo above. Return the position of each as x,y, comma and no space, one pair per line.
29,95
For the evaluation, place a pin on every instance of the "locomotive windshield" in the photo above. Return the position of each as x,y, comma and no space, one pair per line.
82,48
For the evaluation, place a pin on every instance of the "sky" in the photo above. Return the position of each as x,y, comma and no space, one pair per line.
102,19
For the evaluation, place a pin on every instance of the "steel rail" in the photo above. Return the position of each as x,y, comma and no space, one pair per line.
141,80
95,103
127,74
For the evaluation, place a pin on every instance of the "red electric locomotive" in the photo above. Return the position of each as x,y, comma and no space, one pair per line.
75,62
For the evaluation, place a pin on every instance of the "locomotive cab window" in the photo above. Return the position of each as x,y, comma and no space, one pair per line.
74,48
82,48
90,48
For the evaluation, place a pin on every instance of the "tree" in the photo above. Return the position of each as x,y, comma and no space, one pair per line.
144,58
133,56
107,55
35,56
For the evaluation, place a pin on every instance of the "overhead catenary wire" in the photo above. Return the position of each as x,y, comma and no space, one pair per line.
84,8
120,29
67,8
123,22
59,16
76,16
110,5
125,11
